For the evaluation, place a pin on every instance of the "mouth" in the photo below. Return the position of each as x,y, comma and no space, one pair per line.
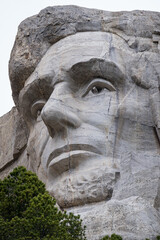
70,156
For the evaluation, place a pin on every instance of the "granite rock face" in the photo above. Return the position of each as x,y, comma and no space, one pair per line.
87,84
13,141
133,218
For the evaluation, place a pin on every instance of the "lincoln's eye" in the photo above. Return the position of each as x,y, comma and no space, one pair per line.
96,90
97,86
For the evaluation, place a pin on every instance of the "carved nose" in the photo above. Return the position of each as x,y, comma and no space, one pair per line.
58,116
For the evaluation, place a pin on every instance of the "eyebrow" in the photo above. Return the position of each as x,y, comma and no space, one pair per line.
95,67
80,72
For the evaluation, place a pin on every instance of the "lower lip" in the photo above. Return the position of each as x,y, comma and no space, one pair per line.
69,160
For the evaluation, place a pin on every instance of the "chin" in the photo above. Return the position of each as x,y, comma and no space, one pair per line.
83,187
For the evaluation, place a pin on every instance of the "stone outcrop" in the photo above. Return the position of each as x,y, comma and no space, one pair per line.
13,141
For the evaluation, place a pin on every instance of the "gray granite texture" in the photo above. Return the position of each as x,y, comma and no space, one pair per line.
86,83
13,141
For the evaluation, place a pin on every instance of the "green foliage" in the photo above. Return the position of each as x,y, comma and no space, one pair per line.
16,191
158,238
113,237
117,237
28,212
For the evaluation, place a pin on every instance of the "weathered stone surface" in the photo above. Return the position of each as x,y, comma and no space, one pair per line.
13,140
133,218
87,84
92,109
38,33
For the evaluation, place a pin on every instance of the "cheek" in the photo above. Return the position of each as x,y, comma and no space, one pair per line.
37,140
100,111
136,107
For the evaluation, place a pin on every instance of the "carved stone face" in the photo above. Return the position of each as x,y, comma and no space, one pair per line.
85,113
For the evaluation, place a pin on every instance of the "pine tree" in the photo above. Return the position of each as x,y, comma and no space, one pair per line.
27,211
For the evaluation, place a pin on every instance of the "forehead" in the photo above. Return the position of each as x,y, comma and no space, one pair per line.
81,47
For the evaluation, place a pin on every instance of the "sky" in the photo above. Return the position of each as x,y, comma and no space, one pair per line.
15,11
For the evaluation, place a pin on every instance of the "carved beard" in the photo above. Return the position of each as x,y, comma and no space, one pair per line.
84,187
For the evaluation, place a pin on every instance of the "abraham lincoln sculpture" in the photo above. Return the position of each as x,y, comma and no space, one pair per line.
87,84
